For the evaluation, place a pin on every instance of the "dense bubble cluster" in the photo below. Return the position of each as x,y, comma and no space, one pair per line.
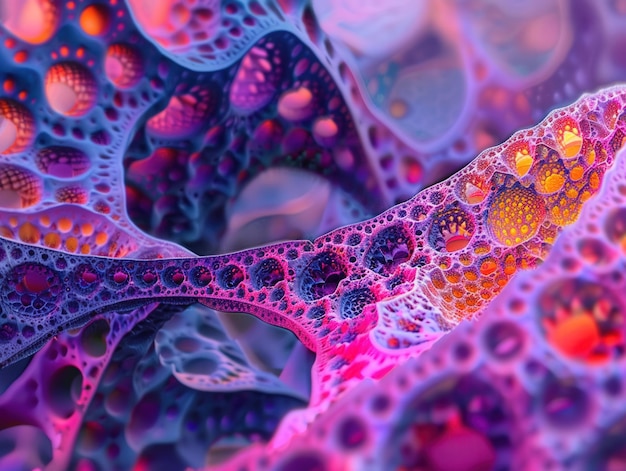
231,235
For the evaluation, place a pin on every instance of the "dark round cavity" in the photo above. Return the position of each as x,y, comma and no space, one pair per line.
230,277
564,404
390,248
267,273
352,433
353,302
504,340
38,450
482,440
146,277
173,277
615,225
609,450
200,276
63,390
93,338
321,276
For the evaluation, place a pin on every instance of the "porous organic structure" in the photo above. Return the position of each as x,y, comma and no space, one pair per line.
236,226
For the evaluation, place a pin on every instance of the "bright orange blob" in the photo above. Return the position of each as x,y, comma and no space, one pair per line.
575,337
95,20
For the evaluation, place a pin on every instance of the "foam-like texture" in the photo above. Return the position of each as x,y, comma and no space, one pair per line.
236,227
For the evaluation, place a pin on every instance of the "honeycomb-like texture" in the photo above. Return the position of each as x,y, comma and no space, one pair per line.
191,265
536,383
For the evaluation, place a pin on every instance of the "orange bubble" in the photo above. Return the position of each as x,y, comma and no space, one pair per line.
470,274
64,225
95,19
101,238
488,266
325,129
437,279
576,173
296,104
576,336
510,265
29,233
52,240
564,212
71,244
86,229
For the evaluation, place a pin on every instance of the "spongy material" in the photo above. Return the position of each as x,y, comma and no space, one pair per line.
478,311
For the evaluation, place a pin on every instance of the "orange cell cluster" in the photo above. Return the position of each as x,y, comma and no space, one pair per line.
515,215
510,204
84,233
